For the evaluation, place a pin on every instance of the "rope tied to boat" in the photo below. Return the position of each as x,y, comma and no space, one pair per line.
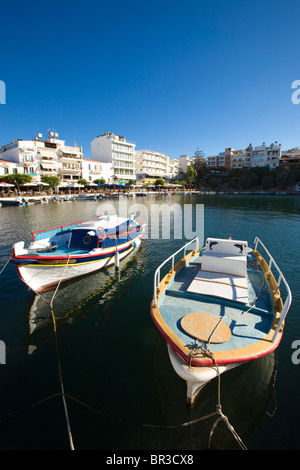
207,352
57,352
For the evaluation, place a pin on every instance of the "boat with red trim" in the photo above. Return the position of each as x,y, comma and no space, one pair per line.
68,251
219,307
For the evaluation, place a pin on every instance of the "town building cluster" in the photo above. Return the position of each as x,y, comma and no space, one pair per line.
116,160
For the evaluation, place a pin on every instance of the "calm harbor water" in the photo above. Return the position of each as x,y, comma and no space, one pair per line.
122,391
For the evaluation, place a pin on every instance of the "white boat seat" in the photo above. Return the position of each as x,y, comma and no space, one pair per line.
225,256
220,285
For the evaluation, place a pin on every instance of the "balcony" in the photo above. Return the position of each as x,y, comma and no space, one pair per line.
27,162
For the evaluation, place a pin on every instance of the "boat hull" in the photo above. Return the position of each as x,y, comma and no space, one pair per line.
196,377
47,273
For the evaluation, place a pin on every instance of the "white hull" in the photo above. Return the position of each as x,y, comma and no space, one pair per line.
40,278
196,377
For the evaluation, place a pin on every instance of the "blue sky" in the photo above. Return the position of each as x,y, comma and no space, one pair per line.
171,76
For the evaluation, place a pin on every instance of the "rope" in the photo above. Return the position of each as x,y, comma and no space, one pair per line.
5,265
59,361
219,412
58,355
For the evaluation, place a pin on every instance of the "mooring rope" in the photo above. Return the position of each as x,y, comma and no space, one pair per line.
5,265
59,361
221,417
58,354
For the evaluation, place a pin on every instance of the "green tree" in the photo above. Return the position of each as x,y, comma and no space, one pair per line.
100,181
159,182
17,179
53,181
83,182
191,176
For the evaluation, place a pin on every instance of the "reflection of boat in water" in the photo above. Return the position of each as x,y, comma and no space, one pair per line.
247,395
76,297
218,308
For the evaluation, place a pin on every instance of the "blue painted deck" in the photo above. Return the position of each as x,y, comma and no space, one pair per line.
246,326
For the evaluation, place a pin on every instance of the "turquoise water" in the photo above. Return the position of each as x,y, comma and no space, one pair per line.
122,391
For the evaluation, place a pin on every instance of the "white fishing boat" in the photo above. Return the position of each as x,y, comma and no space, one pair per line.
218,308
65,252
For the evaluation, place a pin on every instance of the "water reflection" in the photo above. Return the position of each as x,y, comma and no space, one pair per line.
75,298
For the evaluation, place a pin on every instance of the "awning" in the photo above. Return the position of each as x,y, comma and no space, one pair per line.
69,151
6,185
47,153
48,165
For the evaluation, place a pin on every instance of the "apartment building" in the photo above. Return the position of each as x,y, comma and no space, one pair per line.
266,156
173,168
40,157
114,149
246,158
290,158
151,165
220,162
10,168
93,170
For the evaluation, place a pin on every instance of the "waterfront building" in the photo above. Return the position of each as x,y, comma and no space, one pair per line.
151,165
220,162
237,158
290,158
10,168
49,157
246,158
114,149
173,168
23,154
94,170
266,156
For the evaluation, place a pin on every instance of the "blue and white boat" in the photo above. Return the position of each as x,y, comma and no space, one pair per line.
219,307
65,252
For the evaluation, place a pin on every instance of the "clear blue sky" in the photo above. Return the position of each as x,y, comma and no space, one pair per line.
170,76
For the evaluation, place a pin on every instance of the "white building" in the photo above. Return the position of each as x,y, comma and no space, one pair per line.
184,162
10,168
114,149
94,170
173,168
50,157
266,156
151,165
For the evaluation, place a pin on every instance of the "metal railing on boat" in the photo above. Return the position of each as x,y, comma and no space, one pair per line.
281,279
172,257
